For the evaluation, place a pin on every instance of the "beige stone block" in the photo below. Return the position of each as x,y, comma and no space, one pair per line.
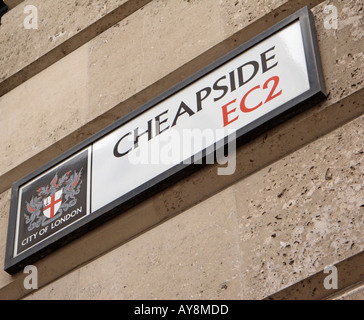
4,214
175,32
115,65
62,28
152,43
192,256
238,14
302,213
156,40
342,49
43,110
57,22
147,46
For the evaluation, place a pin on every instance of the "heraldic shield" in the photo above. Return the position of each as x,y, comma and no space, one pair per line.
52,204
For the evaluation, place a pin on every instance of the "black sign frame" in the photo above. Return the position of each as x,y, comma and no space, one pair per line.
3,9
314,95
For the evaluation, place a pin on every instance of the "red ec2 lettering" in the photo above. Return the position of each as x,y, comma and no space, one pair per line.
228,112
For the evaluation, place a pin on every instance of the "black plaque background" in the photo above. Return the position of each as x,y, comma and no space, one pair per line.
73,165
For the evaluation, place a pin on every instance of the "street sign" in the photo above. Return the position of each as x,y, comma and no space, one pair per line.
259,84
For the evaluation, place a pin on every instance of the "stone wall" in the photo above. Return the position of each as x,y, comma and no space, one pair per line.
294,206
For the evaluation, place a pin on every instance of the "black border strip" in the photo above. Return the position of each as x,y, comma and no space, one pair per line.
3,9
315,94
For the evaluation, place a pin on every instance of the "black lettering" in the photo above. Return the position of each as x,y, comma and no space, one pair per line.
117,154
185,109
232,81
159,123
241,74
218,87
200,99
265,60
137,135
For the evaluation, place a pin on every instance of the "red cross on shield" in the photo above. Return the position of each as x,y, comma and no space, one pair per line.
52,204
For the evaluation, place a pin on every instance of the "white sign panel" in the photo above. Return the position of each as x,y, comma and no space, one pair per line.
234,95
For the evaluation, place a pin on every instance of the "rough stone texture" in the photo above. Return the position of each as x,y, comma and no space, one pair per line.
57,22
62,28
147,40
342,50
303,213
44,109
237,14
